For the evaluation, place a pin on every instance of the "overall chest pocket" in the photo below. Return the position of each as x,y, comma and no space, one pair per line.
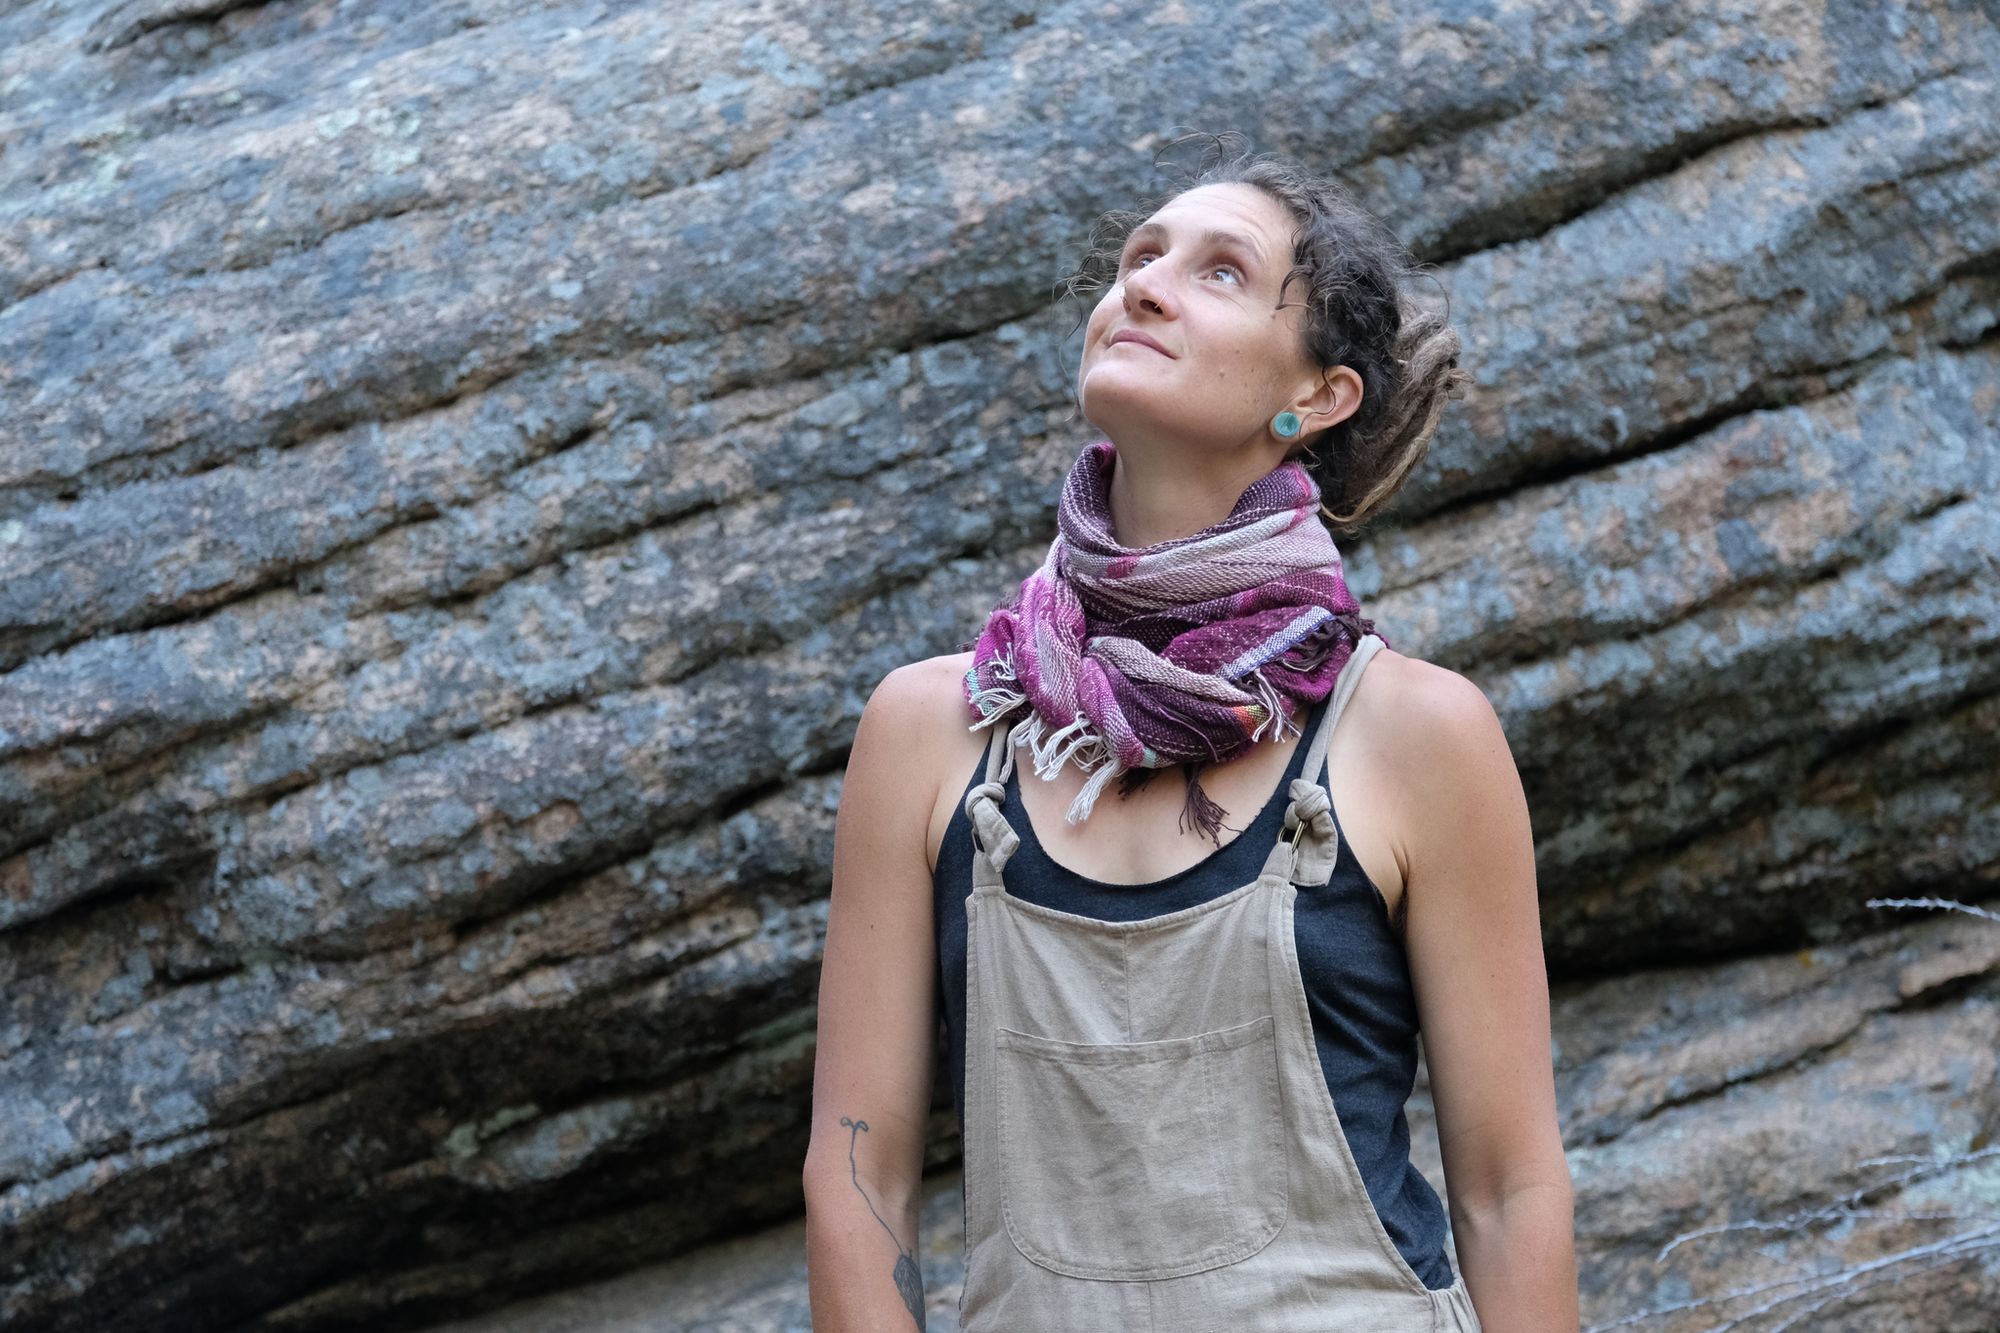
1141,1160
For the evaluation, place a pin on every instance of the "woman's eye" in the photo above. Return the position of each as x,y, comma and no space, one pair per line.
1133,262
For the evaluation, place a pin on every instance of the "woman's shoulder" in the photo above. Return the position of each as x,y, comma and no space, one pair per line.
1428,702
1426,723
928,683
930,694
1432,714
926,700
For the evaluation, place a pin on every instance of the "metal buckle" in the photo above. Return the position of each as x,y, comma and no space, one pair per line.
1298,833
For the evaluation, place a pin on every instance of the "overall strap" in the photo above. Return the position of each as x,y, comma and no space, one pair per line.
1309,843
993,838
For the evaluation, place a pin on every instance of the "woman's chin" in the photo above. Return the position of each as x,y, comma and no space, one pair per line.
1130,409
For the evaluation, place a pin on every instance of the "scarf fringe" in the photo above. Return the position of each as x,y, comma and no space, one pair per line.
1079,809
1205,814
997,700
1053,748
1274,707
1077,742
994,702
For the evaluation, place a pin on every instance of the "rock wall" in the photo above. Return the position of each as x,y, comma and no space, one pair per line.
1769,1133
463,468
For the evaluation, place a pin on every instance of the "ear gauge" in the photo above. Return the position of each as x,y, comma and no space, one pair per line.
1285,425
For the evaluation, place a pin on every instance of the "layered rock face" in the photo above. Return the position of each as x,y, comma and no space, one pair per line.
464,467
1773,1133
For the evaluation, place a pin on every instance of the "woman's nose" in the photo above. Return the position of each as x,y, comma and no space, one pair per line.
1143,286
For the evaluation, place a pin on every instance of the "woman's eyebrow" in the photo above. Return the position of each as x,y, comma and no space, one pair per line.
1212,236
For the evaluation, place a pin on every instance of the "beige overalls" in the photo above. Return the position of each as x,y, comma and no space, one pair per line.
1149,1143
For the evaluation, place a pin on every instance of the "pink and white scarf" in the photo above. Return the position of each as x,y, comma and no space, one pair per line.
1133,659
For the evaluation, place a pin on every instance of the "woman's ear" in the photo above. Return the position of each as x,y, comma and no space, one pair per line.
1337,397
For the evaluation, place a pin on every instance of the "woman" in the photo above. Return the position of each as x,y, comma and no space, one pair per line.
1181,1059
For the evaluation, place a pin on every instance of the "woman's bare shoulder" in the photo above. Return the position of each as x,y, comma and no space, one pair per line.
922,749
1432,710
942,747
932,691
1426,720
1422,694
920,700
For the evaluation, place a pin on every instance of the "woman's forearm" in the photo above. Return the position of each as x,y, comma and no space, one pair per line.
860,1278
1519,1261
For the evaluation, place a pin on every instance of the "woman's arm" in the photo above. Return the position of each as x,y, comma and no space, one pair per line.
877,1024
1473,932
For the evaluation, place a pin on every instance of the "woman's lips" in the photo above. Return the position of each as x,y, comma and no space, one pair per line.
1129,340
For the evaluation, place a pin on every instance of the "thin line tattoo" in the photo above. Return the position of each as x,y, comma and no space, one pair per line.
909,1278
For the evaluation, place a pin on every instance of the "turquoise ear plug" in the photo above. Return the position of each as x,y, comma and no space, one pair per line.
1286,424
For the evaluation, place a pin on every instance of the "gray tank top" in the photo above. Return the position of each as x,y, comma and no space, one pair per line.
1351,960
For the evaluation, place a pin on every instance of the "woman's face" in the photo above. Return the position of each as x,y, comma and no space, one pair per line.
1200,278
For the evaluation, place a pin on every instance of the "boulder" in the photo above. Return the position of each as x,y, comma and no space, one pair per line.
463,468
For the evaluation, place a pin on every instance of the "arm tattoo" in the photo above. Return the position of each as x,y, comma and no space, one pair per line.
909,1278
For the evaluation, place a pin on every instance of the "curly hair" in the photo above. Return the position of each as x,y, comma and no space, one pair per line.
1355,278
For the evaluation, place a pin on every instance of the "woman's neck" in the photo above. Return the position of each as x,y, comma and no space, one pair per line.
1158,499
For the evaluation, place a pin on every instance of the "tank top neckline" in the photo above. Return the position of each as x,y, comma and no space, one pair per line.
1270,813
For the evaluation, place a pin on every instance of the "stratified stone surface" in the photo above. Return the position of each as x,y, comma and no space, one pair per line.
1807,1132
463,468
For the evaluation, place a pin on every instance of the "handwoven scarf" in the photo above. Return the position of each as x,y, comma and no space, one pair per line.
1132,659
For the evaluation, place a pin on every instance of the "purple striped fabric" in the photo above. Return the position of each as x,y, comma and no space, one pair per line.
1188,651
